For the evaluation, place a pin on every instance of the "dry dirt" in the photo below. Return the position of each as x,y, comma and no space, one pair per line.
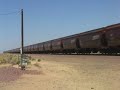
69,72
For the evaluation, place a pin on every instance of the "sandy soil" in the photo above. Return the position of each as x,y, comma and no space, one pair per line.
70,72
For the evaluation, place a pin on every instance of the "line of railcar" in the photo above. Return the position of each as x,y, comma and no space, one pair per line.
105,40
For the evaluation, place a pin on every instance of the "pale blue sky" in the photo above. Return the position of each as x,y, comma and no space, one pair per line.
49,19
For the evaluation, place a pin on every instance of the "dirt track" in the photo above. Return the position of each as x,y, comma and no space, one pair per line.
66,72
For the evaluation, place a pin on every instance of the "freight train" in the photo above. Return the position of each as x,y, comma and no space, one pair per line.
105,40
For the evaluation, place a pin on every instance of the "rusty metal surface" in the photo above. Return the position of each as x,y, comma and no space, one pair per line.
91,40
113,37
48,45
69,43
57,44
40,47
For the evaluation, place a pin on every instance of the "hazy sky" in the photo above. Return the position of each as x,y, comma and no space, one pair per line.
49,19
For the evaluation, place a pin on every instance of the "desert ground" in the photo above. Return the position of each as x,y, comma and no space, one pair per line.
65,72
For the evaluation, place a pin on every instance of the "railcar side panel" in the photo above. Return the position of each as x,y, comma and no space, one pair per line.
48,46
35,47
113,37
91,40
70,43
40,47
57,45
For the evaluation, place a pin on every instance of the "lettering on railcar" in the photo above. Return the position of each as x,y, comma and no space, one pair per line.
95,37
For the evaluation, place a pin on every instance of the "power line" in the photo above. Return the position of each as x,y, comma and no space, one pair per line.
9,13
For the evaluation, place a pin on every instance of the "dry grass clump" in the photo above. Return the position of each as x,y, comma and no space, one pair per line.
37,65
39,60
34,59
13,59
9,59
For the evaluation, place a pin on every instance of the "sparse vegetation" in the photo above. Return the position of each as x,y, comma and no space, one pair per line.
39,60
12,59
9,59
37,65
33,59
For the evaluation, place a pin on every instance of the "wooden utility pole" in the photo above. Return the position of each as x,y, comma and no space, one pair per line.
22,33
22,41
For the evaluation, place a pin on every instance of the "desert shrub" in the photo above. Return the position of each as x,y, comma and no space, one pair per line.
33,59
28,62
13,59
39,60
